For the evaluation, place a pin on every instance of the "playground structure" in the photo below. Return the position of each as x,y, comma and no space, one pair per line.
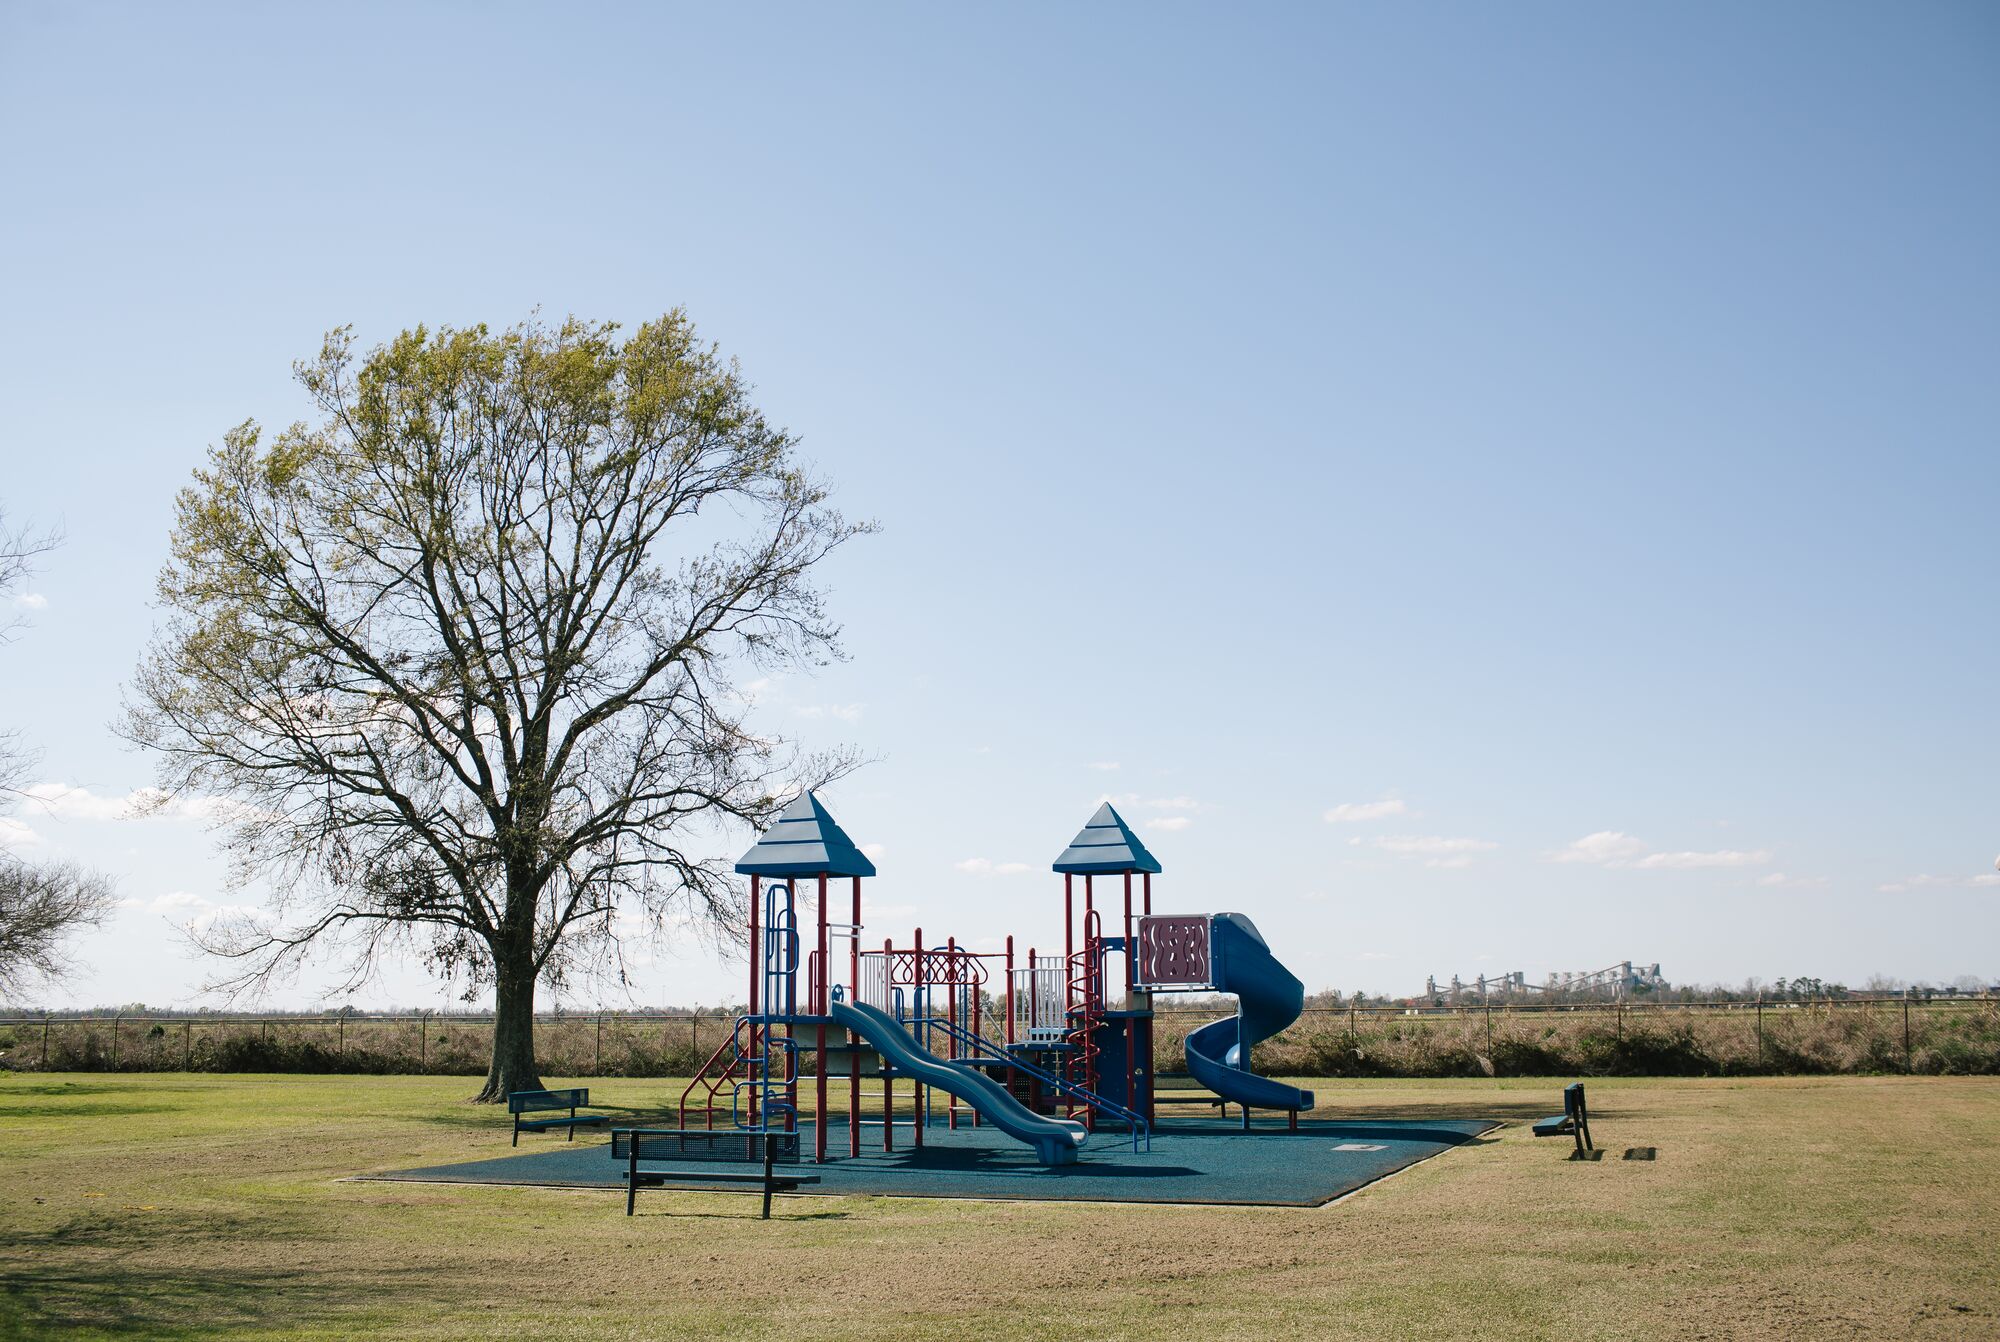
1067,1059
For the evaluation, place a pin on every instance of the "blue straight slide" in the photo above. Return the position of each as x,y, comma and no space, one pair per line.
1271,998
1055,1139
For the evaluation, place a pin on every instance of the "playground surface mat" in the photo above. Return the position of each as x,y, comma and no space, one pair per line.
1198,1161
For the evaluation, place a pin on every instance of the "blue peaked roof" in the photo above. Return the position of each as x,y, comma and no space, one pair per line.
804,841
1107,843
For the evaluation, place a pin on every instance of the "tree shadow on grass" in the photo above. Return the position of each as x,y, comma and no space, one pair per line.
81,1277
83,1088
153,1302
93,1110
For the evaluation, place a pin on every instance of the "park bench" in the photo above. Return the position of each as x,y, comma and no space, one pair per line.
762,1151
1573,1121
547,1101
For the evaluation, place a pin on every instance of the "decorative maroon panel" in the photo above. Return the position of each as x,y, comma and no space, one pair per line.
1173,951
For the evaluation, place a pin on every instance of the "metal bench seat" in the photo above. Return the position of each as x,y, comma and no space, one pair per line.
762,1151
522,1102
1573,1121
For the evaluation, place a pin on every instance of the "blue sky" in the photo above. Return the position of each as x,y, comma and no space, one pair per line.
1482,488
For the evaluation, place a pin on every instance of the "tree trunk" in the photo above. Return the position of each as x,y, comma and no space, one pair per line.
513,1066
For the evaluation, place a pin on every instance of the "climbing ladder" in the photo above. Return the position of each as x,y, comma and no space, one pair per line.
1086,1013
758,1067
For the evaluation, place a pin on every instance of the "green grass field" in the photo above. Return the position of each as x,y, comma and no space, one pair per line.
185,1206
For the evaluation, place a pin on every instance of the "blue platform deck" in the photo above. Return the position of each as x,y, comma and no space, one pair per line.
1192,1161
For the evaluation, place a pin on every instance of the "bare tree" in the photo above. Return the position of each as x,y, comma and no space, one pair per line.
460,653
41,904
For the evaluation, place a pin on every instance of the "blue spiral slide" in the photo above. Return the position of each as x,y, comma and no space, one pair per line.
1270,997
1055,1139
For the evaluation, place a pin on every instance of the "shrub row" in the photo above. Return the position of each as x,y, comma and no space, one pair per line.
1657,1042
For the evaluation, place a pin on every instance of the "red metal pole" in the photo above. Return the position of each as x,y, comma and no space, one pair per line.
1010,989
1129,980
1131,1022
820,1007
1069,936
978,967
888,1083
920,1010
756,885
854,1054
1147,881
756,962
951,1021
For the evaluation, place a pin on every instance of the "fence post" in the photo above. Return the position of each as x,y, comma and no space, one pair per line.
1760,1029
1489,1031
343,1034
423,1044
1908,1065
187,1046
45,1043
597,1062
116,1019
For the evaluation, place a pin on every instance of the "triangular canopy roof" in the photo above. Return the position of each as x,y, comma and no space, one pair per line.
804,841
1107,843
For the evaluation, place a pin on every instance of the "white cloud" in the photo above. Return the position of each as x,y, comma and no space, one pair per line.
65,802
14,834
1105,766
874,852
1175,804
30,601
1449,862
75,803
1724,857
174,901
982,750
1606,846
986,866
1987,879
1355,812
1169,823
1781,879
1612,848
748,695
